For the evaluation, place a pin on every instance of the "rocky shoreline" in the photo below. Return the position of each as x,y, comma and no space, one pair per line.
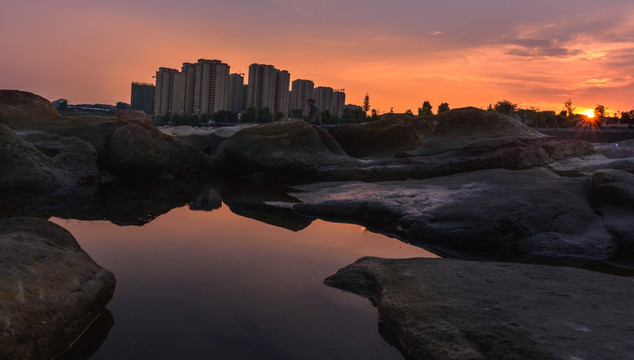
468,184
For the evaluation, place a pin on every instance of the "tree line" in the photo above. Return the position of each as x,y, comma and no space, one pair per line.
531,116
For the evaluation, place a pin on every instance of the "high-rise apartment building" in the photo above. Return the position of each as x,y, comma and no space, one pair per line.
186,90
328,99
282,94
268,88
206,87
165,91
323,96
236,86
300,91
212,87
142,97
339,101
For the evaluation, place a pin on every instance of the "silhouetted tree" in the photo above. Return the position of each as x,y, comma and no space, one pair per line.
627,116
295,114
326,117
443,107
409,112
505,107
353,116
251,116
569,108
599,111
375,115
366,103
425,109
264,115
191,120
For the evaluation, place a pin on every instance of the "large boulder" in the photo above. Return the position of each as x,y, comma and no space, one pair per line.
448,309
206,140
51,289
73,156
24,110
614,193
134,116
488,214
618,150
50,163
382,138
452,130
143,151
614,186
285,149
586,165
472,128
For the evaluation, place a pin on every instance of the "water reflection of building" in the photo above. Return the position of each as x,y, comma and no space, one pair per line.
209,200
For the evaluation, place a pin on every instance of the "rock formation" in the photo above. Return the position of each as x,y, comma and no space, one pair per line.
142,150
116,141
134,116
51,289
453,130
48,163
452,309
292,148
488,214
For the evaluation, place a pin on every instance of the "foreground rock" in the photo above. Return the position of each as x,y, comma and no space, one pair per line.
488,214
451,309
51,289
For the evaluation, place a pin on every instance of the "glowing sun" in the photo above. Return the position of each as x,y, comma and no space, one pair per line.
589,113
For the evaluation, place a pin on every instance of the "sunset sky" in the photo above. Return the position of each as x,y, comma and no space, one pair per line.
400,52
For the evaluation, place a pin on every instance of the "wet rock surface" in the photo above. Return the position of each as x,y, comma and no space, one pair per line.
51,289
452,309
616,150
482,214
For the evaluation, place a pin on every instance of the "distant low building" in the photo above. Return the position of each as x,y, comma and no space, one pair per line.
142,97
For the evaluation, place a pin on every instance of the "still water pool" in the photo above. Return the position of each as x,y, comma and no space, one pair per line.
197,284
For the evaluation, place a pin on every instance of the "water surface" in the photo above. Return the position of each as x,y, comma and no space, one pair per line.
215,285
